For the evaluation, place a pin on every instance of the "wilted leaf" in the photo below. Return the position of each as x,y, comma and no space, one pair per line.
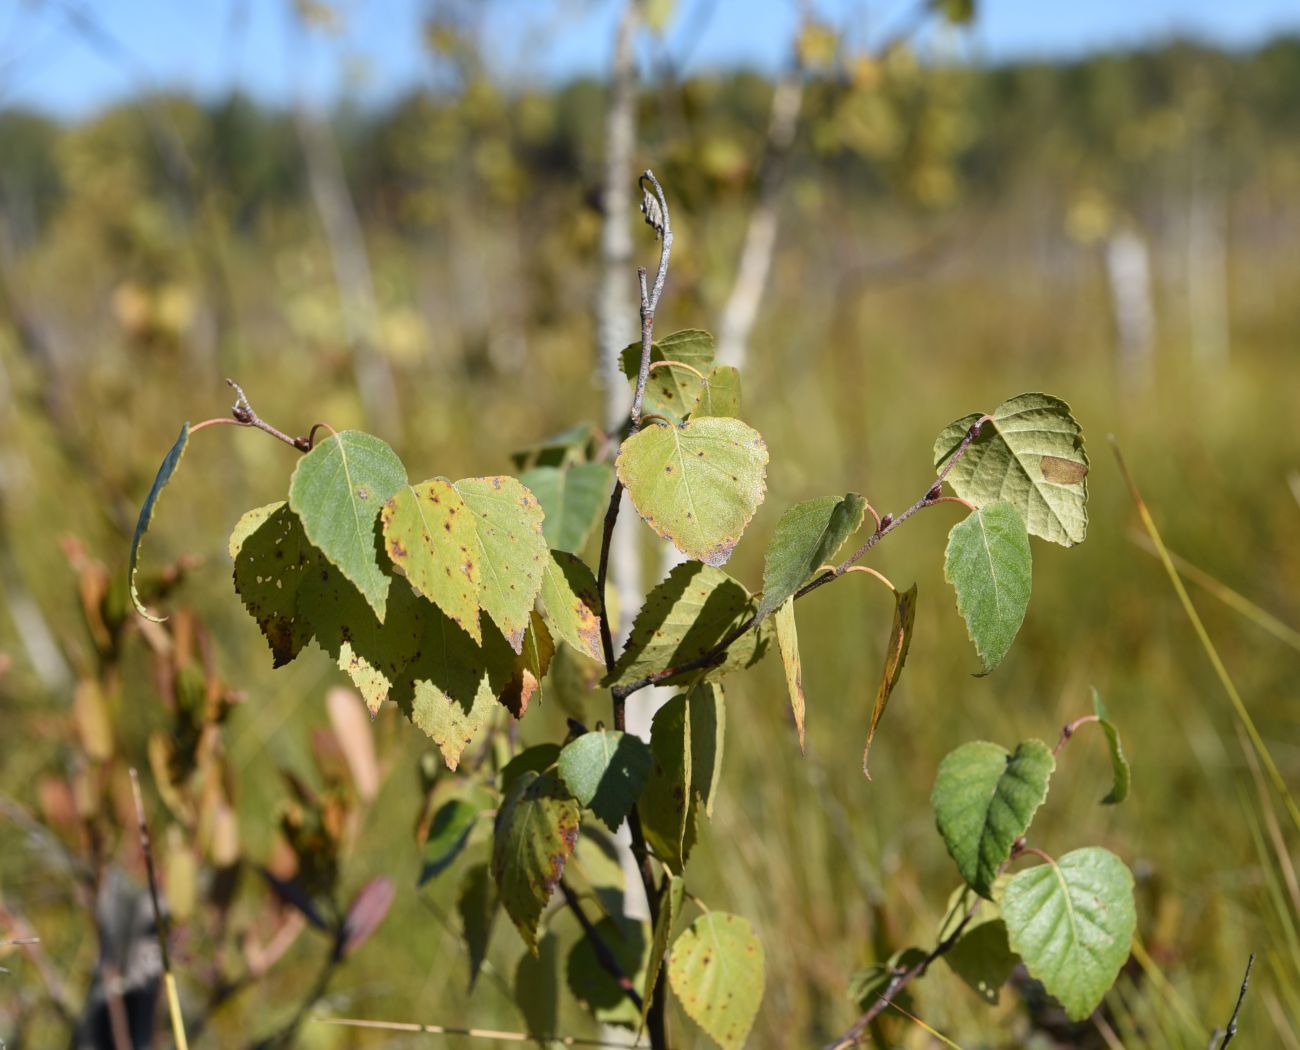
606,771
989,566
670,391
169,464
900,639
1031,455
573,499
697,484
536,831
807,537
1119,764
984,799
572,603
337,491
530,668
684,617
509,523
787,640
1072,923
431,535
716,971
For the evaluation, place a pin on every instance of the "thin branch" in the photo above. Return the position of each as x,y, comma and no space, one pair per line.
1230,1032
604,955
242,415
1068,730
658,216
885,525
470,1033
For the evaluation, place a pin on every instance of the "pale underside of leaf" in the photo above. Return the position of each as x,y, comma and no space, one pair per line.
787,640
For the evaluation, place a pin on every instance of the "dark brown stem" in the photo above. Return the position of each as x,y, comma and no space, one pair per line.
604,955
243,415
1070,729
900,980
1230,1032
884,526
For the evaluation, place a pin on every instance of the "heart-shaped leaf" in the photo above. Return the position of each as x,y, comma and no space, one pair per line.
990,567
716,971
536,831
337,491
606,771
1072,923
1030,453
984,799
671,391
698,484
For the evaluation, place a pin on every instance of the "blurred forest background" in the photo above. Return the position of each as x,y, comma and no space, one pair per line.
1121,230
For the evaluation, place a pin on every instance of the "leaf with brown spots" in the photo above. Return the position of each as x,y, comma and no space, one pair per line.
536,831
430,535
717,970
571,603
900,638
787,640
698,484
673,391
508,520
530,668
272,558
720,396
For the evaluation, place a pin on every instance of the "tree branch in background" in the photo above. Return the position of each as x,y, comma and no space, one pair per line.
1230,1032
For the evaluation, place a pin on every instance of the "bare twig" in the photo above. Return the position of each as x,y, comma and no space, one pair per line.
160,922
1230,1032
1069,729
604,954
469,1033
242,415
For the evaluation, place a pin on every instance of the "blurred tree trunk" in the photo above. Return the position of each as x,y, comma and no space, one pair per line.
1128,268
329,192
1207,278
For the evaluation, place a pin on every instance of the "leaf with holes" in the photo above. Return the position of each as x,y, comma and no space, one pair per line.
672,390
787,640
536,831
900,639
696,485
169,464
984,799
1072,922
589,981
807,537
606,771
337,491
720,396
509,523
430,535
1030,454
272,560
1119,763
573,499
716,971
684,617
990,567
670,906
571,602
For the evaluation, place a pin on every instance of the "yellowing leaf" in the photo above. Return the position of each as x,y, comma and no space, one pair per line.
900,639
571,603
716,970
272,561
787,640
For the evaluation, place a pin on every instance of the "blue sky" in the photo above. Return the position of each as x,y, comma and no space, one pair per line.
55,59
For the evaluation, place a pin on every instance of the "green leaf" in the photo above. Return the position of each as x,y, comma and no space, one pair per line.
372,654
606,771
1118,762
430,535
568,446
698,484
670,906
450,831
272,561
989,566
538,758
592,984
720,396
981,956
787,640
337,491
509,523
984,799
596,866
900,640
572,603
537,988
1029,454
536,831
450,687
686,743
1072,923
169,464
684,617
573,498
672,392
807,537
478,906
716,971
